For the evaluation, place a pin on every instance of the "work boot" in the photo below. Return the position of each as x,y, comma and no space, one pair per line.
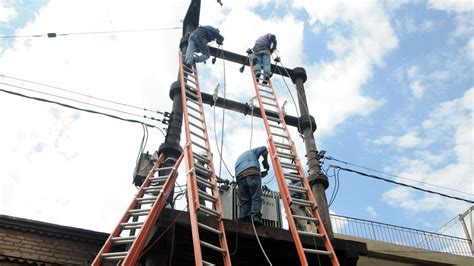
257,220
257,76
265,80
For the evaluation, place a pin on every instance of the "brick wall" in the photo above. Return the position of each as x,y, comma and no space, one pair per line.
44,246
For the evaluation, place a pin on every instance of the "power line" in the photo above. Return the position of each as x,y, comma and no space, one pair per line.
54,35
401,184
79,109
82,102
378,171
77,93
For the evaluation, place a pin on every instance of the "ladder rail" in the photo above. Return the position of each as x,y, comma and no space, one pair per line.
126,216
193,195
284,191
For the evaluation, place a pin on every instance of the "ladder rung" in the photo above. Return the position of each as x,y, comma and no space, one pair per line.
146,200
199,145
301,217
293,177
164,168
190,80
297,189
197,135
209,211
196,126
195,117
205,170
193,101
138,212
201,158
311,234
123,239
208,263
266,97
207,196
316,251
210,229
114,255
190,88
302,202
204,182
192,94
276,126
194,109
269,104
286,155
274,119
187,68
289,166
282,145
131,225
279,135
159,179
153,189
264,85
211,246
189,72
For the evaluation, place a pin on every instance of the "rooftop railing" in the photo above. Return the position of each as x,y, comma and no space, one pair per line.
401,235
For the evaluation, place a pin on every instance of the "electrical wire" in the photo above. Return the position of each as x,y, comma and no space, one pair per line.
378,171
402,184
54,35
77,93
79,109
140,152
260,244
336,187
223,110
217,144
81,102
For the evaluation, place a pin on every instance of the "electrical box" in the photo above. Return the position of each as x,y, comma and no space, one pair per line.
143,167
271,206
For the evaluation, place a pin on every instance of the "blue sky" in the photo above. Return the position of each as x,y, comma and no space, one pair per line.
390,84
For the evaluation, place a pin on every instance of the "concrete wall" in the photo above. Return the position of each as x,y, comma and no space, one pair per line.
381,253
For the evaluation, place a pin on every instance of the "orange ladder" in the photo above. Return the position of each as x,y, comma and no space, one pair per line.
288,168
207,218
126,242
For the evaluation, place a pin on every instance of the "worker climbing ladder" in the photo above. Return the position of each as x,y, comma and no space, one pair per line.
125,244
203,217
288,169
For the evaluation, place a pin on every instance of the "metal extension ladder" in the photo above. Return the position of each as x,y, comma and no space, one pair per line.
288,168
126,242
197,149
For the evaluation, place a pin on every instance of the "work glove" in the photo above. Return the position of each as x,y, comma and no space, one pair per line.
266,165
264,173
219,42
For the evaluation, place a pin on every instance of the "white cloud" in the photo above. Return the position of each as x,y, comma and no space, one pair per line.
417,89
384,140
409,140
452,5
470,49
7,13
338,84
449,127
371,211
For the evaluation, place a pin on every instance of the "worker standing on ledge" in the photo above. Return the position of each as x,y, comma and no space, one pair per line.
262,50
249,179
197,42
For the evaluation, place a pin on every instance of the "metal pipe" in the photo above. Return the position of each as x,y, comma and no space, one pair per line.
319,182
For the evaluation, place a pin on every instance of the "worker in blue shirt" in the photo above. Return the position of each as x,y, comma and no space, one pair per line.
262,50
249,179
197,42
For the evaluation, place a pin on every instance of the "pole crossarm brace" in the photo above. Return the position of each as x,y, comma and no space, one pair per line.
243,60
245,108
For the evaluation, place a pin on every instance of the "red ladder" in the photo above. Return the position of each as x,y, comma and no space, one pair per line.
140,216
197,144
288,168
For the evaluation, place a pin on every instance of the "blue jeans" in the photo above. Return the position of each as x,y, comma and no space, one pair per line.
250,196
197,42
261,61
